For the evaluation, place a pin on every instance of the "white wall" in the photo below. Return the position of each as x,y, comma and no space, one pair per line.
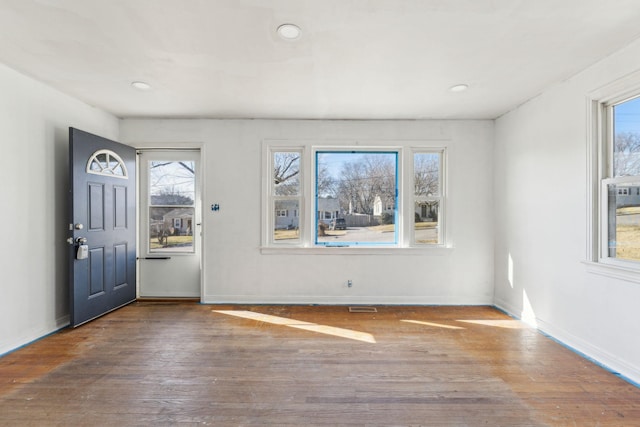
237,271
541,226
34,122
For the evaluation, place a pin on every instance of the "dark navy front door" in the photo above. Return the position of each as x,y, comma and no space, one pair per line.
102,225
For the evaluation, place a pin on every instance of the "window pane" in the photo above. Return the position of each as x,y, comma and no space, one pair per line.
426,183
286,173
117,170
626,147
356,198
113,163
624,221
171,229
172,183
102,161
426,225
286,226
426,167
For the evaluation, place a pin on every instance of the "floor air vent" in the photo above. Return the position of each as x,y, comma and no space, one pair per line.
362,310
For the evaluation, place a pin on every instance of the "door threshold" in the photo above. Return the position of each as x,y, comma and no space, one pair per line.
168,299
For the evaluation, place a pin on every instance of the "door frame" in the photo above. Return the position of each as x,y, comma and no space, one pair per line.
186,146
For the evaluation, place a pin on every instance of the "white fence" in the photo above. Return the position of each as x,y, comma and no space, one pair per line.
360,220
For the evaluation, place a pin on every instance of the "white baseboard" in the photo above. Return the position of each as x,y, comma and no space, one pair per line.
342,300
597,355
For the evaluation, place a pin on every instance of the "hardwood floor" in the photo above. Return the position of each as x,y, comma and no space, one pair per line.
154,363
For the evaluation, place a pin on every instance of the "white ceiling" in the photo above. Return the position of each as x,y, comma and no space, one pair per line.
356,59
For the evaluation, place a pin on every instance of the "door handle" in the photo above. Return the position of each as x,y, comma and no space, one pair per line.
81,240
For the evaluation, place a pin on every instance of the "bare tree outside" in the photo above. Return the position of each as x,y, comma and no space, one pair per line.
172,183
327,185
360,178
626,154
427,192
286,173
426,174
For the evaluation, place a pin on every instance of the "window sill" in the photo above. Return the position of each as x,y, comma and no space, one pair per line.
340,250
615,271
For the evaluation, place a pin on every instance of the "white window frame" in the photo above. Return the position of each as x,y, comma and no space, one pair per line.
600,105
405,199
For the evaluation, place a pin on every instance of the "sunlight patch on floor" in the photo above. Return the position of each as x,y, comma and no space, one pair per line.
299,324
437,325
506,323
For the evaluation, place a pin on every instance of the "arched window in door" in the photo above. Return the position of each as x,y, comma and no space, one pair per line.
108,163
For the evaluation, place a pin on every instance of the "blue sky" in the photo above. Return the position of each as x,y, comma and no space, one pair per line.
334,161
171,177
627,116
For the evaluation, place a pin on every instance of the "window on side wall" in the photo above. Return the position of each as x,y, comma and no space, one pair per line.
620,186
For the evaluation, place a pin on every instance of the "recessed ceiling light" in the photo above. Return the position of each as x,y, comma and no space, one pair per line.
141,85
459,88
289,31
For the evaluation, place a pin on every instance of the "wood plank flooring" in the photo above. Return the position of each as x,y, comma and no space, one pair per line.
154,363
